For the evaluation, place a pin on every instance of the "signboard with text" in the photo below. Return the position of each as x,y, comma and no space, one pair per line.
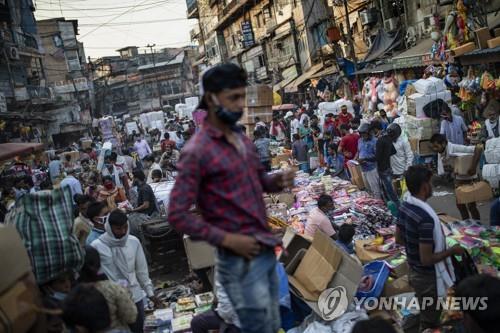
246,30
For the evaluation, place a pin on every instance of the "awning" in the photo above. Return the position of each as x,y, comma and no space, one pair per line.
376,69
293,86
283,83
325,72
383,43
484,56
9,150
417,56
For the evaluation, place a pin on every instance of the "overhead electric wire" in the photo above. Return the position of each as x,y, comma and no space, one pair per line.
102,8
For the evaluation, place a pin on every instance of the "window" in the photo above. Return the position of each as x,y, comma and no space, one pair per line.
319,33
259,20
261,61
268,14
73,60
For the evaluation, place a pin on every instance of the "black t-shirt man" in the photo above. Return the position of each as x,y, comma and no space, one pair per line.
145,193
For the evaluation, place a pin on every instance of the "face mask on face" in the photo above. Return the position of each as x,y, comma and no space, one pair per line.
59,295
226,116
108,186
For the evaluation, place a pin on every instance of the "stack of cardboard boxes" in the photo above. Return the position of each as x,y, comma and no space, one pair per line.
259,103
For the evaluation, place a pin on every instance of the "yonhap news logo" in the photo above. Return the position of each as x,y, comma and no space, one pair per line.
333,302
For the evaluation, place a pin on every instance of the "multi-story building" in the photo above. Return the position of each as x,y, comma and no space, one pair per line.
132,83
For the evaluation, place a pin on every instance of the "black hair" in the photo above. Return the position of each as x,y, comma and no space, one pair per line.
95,208
224,76
113,156
416,176
105,178
149,158
156,173
67,157
455,99
346,233
324,200
296,136
375,124
373,325
81,199
91,266
439,138
334,146
166,136
117,218
85,306
256,134
344,127
257,119
486,286
138,174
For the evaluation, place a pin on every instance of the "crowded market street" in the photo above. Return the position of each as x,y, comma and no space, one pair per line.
246,166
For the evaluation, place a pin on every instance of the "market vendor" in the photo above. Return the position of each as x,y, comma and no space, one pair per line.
419,230
366,157
220,172
491,127
318,217
452,126
447,151
169,159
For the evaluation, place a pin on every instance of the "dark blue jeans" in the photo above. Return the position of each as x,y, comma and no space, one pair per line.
252,287
387,187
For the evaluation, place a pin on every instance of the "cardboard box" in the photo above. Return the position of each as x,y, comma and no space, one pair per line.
259,95
317,267
265,113
462,164
492,43
460,50
292,244
356,174
482,36
14,256
397,287
366,255
417,101
496,32
200,254
420,128
477,192
348,273
421,147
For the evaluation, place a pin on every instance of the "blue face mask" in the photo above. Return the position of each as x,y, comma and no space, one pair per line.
60,296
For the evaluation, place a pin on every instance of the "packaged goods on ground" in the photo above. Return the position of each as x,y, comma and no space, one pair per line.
419,128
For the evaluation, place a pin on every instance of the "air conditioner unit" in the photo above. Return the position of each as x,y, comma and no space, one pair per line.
368,16
391,24
13,53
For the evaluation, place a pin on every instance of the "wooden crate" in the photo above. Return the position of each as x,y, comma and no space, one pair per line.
265,113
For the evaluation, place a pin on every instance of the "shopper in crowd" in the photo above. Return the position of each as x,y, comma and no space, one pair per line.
97,213
150,164
277,130
122,309
383,153
233,218
366,157
334,161
169,159
485,287
109,193
55,169
146,200
167,142
318,217
344,238
262,144
260,124
305,133
142,147
384,120
403,159
447,152
122,259
376,128
116,172
491,127
344,117
68,163
71,182
452,126
348,143
129,163
82,225
295,124
419,230
299,152
157,176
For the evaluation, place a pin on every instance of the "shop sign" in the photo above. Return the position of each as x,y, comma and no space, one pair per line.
67,86
248,38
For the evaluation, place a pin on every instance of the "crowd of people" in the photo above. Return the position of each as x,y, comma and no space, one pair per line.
220,171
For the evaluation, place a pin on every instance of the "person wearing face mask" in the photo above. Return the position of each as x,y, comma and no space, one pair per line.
452,126
491,127
150,165
146,200
123,261
118,175
419,230
344,117
109,193
318,217
219,171
142,147
97,213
